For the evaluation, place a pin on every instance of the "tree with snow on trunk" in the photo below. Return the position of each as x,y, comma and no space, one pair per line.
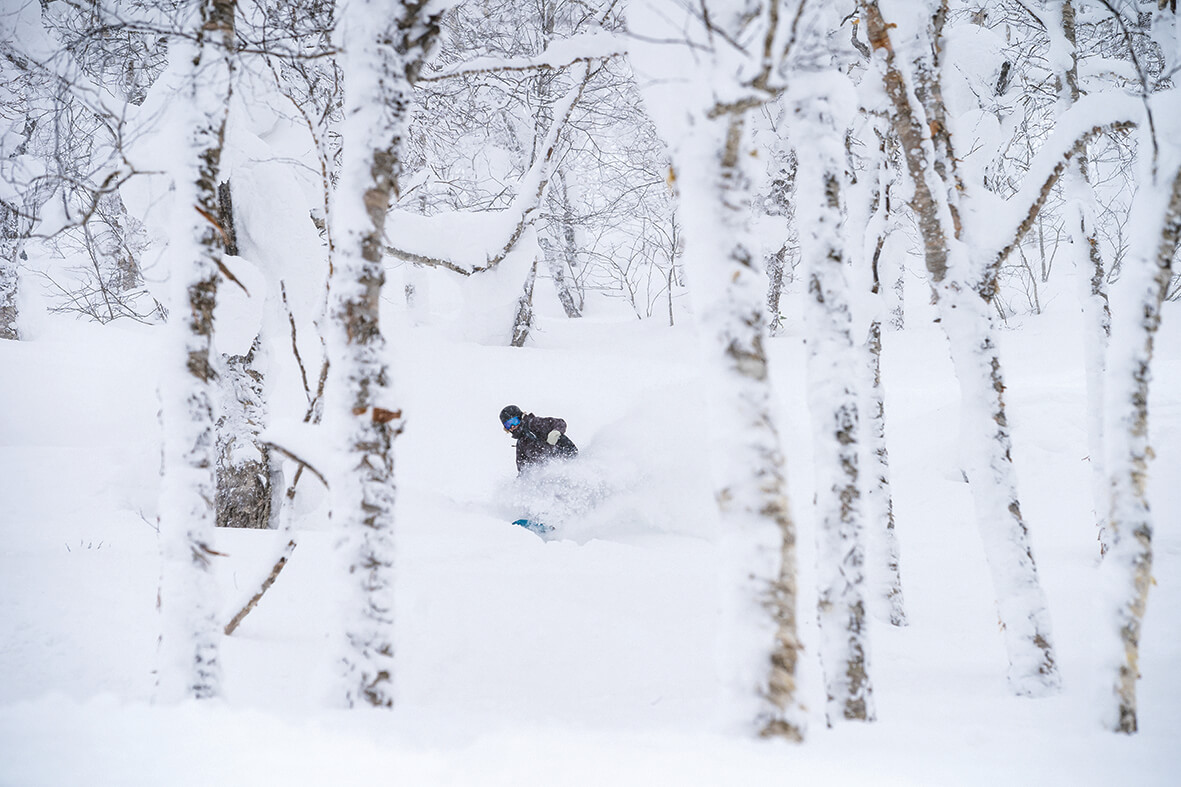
1127,568
384,47
202,67
823,105
713,173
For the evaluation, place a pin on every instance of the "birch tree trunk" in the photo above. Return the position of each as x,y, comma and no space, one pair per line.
781,200
822,110
523,322
1127,568
1092,279
556,235
759,537
964,290
760,645
245,471
559,243
16,221
384,48
879,498
9,277
884,554
190,663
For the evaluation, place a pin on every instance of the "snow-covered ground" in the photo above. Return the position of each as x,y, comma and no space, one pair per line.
585,659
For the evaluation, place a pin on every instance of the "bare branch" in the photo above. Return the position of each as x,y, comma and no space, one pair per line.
527,203
297,460
549,60
1144,88
266,585
303,372
1043,193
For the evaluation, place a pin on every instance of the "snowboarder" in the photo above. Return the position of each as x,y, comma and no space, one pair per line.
539,439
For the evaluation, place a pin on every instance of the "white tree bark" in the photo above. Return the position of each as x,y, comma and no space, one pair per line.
9,279
760,645
823,107
964,288
760,637
384,47
1089,268
245,470
1127,568
190,664
879,499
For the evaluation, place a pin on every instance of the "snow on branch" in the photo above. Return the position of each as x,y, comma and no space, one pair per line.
443,240
581,48
1091,117
298,460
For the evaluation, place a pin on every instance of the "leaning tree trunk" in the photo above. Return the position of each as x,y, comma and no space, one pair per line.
713,171
964,290
833,371
880,498
188,593
384,48
1128,564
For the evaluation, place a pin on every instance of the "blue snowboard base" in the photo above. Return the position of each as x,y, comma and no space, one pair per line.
536,527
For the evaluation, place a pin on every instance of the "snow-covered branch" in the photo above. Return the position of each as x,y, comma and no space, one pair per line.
580,48
409,228
1089,119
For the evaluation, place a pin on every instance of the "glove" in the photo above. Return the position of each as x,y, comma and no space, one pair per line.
553,437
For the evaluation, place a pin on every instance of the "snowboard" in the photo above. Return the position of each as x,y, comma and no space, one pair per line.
534,527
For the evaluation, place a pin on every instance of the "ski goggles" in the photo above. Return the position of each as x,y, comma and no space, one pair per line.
512,423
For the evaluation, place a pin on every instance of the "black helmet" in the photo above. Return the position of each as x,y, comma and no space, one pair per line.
512,411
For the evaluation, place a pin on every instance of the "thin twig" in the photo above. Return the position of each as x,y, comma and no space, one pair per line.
294,343
1144,89
297,460
266,585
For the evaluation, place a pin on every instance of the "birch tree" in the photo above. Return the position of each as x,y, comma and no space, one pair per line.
556,235
1127,567
879,499
24,187
9,277
1088,257
493,97
69,124
823,108
384,47
712,172
248,478
963,286
188,594
1128,563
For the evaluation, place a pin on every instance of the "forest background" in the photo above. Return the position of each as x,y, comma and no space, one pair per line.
860,312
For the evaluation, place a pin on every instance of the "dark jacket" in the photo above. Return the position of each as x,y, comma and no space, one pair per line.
532,448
